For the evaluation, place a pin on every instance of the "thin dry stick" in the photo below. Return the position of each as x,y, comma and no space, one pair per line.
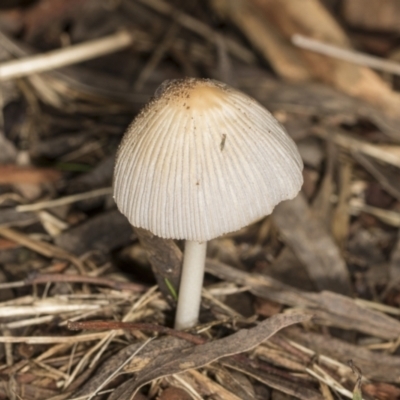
114,284
349,55
64,200
54,350
55,339
135,326
29,322
47,307
66,56
71,359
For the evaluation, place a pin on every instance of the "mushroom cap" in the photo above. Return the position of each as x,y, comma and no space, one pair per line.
203,159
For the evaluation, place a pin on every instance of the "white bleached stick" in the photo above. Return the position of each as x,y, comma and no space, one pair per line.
65,56
355,57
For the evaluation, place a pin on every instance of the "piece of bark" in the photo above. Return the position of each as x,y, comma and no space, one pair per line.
104,233
166,261
313,245
287,268
328,308
177,360
10,217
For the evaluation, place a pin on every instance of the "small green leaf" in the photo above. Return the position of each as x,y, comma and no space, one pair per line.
357,395
171,289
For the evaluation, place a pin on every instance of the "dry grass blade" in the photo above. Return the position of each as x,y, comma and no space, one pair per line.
64,200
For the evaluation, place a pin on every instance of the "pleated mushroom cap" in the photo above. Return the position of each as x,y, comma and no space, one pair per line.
203,159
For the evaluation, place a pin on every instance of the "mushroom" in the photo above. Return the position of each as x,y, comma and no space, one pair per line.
200,160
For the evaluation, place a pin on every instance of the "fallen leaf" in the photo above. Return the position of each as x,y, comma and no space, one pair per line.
12,174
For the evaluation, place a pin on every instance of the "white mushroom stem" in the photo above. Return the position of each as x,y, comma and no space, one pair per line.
191,284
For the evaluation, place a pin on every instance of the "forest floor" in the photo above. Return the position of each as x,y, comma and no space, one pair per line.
81,314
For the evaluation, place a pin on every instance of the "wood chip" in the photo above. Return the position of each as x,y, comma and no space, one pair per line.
313,246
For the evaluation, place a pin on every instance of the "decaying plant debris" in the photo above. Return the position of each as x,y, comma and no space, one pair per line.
303,304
